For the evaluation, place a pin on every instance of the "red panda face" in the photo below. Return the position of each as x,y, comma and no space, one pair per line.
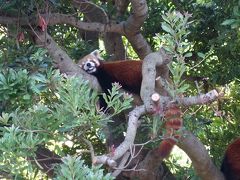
90,62
90,66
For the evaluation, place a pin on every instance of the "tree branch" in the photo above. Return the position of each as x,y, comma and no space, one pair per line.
62,61
130,28
57,18
150,63
200,99
112,40
128,141
201,160
153,166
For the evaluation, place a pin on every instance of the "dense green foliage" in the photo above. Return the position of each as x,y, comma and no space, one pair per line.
40,106
43,107
67,170
215,36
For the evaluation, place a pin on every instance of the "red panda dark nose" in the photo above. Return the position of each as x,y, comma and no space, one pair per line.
88,64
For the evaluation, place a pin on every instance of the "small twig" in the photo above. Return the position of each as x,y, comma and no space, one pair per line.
143,144
132,154
132,169
83,151
50,169
198,63
34,31
38,163
197,86
34,131
44,159
91,149
138,151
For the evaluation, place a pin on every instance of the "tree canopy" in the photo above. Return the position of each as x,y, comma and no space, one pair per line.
51,125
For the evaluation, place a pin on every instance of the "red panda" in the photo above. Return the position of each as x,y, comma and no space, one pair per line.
127,73
231,162
173,122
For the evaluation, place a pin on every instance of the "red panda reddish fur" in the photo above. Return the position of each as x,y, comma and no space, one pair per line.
173,122
231,162
128,73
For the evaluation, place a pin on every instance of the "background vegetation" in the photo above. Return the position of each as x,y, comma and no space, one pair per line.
40,106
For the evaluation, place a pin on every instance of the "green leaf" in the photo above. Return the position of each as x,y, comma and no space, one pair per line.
5,118
166,27
201,55
26,97
228,22
39,77
188,54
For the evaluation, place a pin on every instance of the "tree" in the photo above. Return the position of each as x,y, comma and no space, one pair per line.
43,109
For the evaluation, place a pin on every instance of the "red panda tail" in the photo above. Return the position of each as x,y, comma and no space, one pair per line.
166,147
173,123
231,162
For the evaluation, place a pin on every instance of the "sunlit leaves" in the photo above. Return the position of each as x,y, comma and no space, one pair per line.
13,82
74,168
175,41
77,104
176,26
15,144
116,100
74,111
4,118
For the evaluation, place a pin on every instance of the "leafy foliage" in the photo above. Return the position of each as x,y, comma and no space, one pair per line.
38,106
175,41
74,168
73,112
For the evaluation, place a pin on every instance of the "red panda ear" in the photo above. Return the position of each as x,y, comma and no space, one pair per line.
96,53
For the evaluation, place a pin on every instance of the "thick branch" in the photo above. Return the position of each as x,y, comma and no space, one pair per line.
139,44
132,28
129,138
92,13
121,7
148,88
154,167
112,40
150,63
137,18
57,18
200,159
200,99
62,61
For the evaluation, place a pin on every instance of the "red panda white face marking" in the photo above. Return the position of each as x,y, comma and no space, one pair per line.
90,63
90,66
